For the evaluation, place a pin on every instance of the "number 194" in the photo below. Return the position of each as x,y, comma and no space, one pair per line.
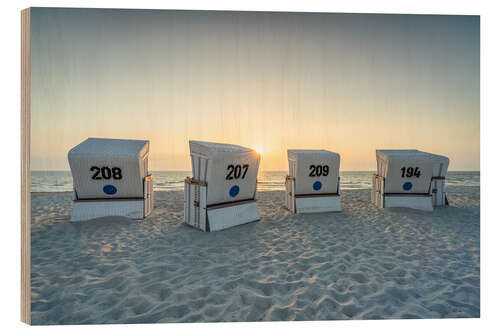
409,172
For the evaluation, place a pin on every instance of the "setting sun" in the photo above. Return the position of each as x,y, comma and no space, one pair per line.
259,149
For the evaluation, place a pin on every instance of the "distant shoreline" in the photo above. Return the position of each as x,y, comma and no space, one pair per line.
259,170
274,190
61,181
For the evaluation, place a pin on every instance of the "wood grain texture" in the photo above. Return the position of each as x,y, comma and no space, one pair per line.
25,167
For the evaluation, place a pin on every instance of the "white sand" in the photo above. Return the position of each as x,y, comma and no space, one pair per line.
362,263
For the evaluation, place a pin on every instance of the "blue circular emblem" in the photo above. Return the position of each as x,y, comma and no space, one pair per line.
407,186
234,191
109,189
317,186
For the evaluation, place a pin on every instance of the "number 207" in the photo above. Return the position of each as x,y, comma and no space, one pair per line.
234,171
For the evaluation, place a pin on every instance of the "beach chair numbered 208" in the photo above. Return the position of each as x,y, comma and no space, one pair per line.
110,178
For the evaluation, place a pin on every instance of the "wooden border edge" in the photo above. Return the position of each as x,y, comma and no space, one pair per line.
25,166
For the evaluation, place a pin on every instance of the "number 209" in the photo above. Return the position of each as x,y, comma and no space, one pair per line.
318,170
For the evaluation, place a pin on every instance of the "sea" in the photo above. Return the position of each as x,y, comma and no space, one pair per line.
61,181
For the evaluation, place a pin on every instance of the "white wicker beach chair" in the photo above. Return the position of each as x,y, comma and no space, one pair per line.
409,178
222,191
110,178
312,184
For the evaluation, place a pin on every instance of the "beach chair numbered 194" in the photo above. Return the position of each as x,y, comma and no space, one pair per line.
409,178
222,192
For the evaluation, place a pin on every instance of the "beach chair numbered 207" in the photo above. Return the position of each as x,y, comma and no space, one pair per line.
222,191
312,185
409,178
110,178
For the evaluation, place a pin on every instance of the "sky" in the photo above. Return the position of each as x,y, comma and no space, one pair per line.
349,83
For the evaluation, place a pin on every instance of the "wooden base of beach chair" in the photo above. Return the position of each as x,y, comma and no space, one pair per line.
424,201
220,218
215,217
132,208
90,209
420,202
317,204
310,203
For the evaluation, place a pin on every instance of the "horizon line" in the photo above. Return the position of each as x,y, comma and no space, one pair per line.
68,170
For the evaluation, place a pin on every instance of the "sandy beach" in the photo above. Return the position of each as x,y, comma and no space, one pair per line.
361,263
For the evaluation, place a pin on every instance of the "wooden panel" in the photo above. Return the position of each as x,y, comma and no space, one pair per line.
25,167
148,195
437,188
84,210
409,201
318,204
231,216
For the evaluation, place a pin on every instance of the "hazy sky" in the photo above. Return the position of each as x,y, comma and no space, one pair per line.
350,83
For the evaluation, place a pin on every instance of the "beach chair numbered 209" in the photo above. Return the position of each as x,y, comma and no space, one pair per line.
409,178
110,178
222,192
312,185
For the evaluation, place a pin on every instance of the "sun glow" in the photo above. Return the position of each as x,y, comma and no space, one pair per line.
259,149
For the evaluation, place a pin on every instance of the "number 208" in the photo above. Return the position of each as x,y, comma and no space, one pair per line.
106,173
